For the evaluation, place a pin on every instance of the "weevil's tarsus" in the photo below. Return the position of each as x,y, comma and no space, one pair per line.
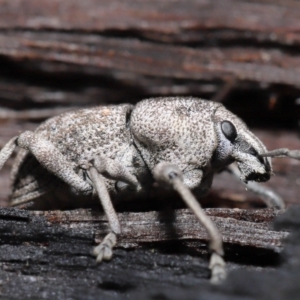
166,173
217,266
282,152
7,150
104,250
270,198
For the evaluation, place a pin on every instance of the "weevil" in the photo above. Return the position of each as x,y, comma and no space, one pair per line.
178,142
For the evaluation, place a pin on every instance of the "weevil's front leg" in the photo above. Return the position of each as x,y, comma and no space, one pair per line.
282,152
104,250
170,174
270,198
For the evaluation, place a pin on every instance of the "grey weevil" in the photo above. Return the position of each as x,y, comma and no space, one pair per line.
179,142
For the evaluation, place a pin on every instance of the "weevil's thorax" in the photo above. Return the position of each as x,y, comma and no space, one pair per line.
177,130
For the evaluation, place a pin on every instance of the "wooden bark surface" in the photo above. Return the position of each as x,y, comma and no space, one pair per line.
51,251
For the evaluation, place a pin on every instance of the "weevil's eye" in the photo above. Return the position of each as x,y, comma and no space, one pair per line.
229,130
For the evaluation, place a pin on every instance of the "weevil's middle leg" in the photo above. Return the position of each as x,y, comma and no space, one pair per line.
104,250
170,174
96,168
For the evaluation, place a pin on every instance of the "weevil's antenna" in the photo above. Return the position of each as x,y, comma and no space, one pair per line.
170,174
282,152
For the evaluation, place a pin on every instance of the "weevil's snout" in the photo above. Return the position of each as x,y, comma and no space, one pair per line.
237,143
252,166
253,171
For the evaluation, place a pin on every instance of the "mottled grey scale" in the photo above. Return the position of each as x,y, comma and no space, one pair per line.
178,130
85,133
168,126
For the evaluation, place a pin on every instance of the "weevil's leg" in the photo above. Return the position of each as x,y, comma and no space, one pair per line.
170,174
52,160
96,168
104,250
7,151
115,171
270,198
282,152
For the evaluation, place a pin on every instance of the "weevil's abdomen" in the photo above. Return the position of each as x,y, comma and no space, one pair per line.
79,135
85,133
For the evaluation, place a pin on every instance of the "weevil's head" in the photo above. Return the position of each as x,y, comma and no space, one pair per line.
237,143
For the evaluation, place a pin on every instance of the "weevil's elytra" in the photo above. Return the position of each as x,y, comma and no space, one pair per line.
112,150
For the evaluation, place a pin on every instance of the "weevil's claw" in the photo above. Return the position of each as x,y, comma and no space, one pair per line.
105,253
218,270
104,250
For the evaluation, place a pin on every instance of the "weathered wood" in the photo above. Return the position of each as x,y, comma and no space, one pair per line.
238,227
103,38
169,21
52,250
130,55
250,228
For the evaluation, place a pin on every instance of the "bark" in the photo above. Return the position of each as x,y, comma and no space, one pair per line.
41,252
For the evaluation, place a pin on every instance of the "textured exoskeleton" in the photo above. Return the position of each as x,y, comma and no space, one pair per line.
110,150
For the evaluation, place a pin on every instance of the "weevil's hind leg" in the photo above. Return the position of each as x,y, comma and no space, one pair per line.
170,174
7,150
282,152
104,250
52,160
270,198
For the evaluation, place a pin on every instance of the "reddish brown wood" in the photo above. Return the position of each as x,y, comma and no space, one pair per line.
145,58
273,21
